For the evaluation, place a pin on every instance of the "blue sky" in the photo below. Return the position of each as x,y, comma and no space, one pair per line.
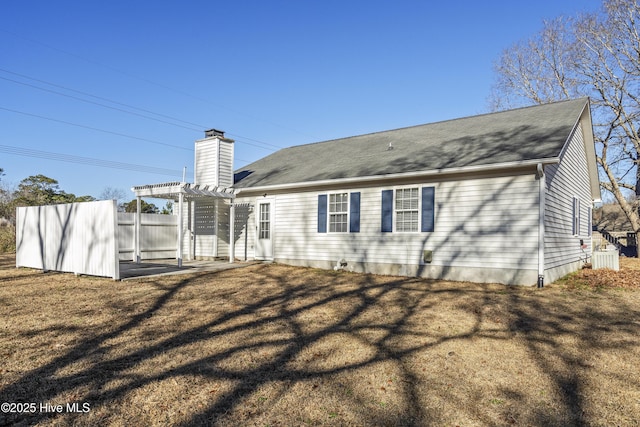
270,74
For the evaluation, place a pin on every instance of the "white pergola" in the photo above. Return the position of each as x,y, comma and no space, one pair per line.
181,192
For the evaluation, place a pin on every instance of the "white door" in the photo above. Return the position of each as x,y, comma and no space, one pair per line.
264,229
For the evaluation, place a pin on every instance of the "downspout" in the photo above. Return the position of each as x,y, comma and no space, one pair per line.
541,211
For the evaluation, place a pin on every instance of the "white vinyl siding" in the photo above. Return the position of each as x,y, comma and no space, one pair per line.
478,225
565,182
245,229
225,177
214,162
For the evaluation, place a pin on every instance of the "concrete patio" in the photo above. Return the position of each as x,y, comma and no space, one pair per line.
130,270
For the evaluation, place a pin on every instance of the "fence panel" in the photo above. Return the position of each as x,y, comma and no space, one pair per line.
76,238
158,236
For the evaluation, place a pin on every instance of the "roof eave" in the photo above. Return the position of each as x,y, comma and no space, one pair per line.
421,174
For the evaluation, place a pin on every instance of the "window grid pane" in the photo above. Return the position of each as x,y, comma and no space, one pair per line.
264,223
338,208
407,209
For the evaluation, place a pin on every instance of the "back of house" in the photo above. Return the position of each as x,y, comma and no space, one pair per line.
503,197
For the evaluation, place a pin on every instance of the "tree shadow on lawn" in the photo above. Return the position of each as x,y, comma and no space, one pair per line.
301,327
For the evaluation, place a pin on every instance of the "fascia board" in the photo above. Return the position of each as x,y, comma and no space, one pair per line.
422,174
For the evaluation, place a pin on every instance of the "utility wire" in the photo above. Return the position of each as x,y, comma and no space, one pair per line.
98,103
103,130
27,152
200,127
125,111
95,129
168,88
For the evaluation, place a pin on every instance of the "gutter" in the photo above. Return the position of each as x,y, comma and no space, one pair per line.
422,174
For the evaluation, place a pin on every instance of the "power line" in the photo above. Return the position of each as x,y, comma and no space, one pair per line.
125,111
168,88
98,103
89,161
95,129
102,98
104,131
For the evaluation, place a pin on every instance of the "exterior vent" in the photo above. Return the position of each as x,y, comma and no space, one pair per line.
213,132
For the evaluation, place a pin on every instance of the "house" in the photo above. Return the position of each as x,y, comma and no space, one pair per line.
503,197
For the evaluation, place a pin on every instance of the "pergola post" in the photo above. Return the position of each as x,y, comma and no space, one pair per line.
180,226
190,235
137,226
232,227
185,192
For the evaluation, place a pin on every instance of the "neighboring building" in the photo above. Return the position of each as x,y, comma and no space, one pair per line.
503,197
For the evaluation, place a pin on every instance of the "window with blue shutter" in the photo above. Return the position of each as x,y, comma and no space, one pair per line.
338,212
322,213
428,208
354,213
387,211
407,209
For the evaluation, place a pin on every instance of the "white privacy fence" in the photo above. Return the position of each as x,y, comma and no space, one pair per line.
76,238
157,236
90,237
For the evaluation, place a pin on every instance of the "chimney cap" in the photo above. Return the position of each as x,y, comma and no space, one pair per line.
213,133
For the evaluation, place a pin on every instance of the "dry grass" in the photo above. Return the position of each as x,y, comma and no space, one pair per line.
627,277
282,346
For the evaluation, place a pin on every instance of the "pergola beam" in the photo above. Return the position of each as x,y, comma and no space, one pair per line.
181,192
172,190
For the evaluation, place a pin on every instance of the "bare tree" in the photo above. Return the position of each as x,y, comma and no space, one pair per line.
117,194
595,55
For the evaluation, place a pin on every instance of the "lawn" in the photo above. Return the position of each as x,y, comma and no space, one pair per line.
271,345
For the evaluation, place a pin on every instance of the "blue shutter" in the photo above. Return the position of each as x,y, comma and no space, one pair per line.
322,213
387,211
428,208
354,213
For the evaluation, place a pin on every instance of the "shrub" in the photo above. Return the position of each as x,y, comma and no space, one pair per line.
7,239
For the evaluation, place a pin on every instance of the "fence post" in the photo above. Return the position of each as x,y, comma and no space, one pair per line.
179,228
116,248
137,225
232,232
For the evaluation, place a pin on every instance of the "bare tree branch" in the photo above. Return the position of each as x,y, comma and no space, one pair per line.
594,55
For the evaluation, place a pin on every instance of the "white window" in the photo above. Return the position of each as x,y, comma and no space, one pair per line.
407,209
338,213
264,222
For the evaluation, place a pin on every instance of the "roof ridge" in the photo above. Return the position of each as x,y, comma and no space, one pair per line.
438,122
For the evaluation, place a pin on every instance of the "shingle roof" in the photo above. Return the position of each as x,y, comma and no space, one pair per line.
523,134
